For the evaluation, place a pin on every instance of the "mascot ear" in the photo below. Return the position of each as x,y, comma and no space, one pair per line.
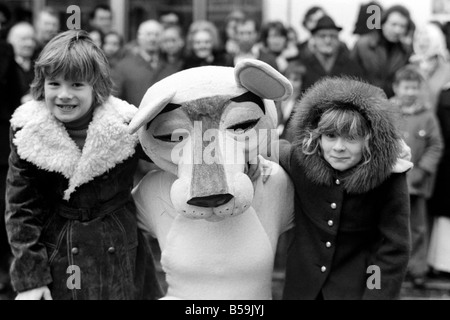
263,80
152,103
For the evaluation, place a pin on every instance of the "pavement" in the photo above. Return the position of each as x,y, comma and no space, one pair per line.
435,289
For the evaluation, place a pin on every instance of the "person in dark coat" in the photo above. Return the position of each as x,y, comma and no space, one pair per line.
439,253
247,37
172,46
351,238
21,37
420,129
310,19
142,66
327,57
10,99
384,51
70,217
204,47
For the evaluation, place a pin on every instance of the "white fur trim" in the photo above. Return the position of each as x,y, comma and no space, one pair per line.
44,141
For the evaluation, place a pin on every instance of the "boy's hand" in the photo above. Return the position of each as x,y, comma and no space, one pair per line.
41,293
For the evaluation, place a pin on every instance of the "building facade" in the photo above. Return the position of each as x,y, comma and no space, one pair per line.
128,14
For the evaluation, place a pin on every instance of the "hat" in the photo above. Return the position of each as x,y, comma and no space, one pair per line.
325,23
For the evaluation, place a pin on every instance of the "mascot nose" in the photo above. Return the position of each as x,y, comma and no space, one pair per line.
209,187
211,201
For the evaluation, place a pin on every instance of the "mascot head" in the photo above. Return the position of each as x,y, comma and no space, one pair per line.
205,125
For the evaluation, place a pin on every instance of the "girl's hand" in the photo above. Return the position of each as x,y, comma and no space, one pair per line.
262,167
35,294
405,153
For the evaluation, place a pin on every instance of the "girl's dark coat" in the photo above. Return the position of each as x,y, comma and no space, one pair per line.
438,204
67,208
348,224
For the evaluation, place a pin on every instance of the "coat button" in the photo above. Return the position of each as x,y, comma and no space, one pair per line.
338,182
328,244
75,250
330,223
323,269
111,250
333,206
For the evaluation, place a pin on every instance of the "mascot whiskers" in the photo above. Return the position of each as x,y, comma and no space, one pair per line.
217,230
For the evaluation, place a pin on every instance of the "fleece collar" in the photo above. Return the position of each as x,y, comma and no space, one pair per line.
44,141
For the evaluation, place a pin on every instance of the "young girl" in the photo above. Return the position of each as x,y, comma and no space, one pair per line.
70,217
351,238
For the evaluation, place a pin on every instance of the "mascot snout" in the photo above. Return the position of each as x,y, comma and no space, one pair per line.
212,188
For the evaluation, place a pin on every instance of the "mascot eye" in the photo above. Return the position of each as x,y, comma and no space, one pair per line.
175,137
243,126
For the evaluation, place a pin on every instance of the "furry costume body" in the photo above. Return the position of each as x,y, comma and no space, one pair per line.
217,230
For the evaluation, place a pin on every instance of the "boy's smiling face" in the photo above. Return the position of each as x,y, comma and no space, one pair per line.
68,100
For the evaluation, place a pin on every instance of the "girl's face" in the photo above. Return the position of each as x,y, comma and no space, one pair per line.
202,44
68,100
340,152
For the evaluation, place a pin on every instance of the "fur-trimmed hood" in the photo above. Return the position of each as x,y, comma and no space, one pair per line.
384,143
42,140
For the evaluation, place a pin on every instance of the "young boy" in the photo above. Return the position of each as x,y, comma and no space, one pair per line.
421,131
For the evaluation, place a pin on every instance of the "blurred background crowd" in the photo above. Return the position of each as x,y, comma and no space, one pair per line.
157,39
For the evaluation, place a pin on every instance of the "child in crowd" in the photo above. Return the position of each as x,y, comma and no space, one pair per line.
294,73
70,216
351,238
113,47
421,132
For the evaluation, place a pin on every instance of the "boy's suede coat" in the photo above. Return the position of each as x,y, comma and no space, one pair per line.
67,207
